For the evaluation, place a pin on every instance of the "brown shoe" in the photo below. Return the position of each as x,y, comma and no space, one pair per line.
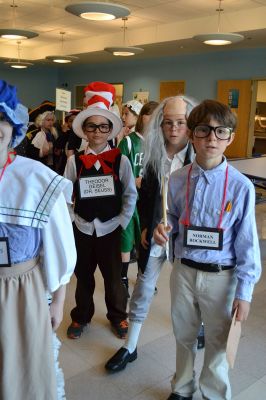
75,330
120,328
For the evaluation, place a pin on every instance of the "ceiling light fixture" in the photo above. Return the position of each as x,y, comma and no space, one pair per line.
124,51
219,38
19,64
61,59
16,34
98,11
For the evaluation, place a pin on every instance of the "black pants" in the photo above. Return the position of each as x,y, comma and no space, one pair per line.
104,251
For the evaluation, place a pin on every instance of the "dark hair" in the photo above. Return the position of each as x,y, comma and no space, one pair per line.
147,109
209,109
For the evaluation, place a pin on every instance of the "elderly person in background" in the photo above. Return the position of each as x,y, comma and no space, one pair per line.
41,147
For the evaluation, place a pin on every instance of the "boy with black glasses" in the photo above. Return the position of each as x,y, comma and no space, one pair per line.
104,200
217,257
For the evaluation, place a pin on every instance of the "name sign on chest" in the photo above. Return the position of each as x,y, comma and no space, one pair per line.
96,186
203,238
4,253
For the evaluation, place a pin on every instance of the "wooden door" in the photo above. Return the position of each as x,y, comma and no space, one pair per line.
171,88
237,95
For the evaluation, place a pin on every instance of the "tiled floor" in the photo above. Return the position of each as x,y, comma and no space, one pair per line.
149,376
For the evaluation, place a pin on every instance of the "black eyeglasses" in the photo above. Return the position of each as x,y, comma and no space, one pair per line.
103,128
221,132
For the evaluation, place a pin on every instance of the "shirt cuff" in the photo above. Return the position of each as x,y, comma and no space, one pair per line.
244,290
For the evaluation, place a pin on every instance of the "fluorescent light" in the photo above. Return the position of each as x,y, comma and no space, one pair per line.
94,16
124,51
62,59
16,34
98,11
219,39
19,64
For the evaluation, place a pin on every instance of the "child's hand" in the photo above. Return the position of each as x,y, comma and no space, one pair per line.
57,307
44,151
56,313
65,127
143,239
242,309
160,234
138,181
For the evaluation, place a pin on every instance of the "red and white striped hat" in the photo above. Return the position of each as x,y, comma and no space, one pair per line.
99,98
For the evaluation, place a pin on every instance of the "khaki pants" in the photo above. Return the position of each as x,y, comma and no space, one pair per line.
201,296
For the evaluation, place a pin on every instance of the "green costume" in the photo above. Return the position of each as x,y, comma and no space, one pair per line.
132,147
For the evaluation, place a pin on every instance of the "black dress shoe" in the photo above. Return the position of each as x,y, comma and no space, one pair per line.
120,359
174,396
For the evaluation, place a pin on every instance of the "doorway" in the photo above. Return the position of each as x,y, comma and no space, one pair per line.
259,117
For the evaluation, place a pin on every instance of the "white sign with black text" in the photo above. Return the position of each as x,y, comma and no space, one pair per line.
96,186
203,237
63,100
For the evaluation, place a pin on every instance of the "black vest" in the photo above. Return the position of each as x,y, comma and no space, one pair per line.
103,208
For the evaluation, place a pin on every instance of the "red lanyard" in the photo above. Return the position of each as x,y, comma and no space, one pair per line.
8,161
187,220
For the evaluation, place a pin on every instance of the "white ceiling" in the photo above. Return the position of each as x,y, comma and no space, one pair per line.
161,27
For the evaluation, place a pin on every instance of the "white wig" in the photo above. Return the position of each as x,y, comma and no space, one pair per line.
40,119
154,148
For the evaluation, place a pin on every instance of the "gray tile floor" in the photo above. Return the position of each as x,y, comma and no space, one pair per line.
149,376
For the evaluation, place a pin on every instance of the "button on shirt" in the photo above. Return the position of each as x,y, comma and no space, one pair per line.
170,166
129,198
240,239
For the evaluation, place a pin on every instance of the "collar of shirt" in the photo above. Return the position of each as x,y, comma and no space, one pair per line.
88,150
177,161
139,135
211,174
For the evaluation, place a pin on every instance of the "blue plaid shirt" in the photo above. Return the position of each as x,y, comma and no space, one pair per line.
240,238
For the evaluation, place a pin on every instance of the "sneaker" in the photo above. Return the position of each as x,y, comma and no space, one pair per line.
75,330
120,328
125,283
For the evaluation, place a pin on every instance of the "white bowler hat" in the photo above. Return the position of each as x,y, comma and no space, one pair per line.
99,97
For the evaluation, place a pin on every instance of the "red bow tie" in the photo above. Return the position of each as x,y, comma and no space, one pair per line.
90,159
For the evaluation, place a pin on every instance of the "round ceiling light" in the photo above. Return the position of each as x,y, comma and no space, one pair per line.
16,34
219,39
19,64
98,11
124,51
62,59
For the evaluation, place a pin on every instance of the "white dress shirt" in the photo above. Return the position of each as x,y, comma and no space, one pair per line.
171,165
129,197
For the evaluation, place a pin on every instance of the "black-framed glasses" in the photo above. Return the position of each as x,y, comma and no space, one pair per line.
179,123
103,128
221,132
